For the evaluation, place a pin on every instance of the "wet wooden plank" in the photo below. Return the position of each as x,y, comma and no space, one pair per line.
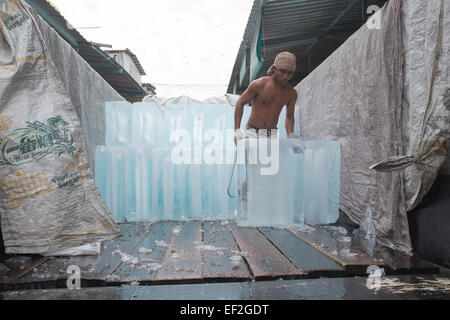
265,260
403,287
395,262
149,253
182,260
303,255
17,266
111,255
101,293
221,256
338,249
91,267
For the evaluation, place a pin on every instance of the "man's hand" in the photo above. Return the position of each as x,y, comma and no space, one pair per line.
238,135
296,142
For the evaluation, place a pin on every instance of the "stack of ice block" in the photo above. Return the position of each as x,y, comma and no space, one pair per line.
142,183
139,180
137,176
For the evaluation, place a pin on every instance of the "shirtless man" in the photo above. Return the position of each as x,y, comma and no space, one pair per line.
269,95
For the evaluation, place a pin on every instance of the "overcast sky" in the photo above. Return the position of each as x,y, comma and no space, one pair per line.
185,46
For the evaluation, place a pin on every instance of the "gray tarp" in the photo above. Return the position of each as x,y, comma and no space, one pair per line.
384,95
426,114
355,97
49,200
87,90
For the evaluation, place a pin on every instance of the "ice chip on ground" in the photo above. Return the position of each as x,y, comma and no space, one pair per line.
144,250
113,277
150,267
175,255
240,253
346,253
208,247
339,229
342,230
301,227
126,258
161,243
134,283
235,259
176,230
345,240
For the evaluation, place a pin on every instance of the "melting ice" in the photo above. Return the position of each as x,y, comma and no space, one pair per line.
139,180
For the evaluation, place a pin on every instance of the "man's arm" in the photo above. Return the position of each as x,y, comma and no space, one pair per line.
244,99
290,110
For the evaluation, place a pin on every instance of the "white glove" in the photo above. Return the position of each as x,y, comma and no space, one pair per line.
297,143
238,135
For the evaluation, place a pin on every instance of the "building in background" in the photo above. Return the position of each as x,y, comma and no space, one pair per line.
129,62
121,77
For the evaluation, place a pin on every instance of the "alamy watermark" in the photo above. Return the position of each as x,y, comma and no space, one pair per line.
374,21
374,279
218,147
74,280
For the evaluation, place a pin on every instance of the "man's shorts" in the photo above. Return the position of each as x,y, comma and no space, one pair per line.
252,132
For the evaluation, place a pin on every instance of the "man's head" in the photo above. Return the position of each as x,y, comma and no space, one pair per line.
285,62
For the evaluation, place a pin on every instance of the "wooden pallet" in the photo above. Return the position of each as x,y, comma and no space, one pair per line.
166,252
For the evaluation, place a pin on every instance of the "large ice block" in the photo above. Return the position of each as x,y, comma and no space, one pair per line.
303,189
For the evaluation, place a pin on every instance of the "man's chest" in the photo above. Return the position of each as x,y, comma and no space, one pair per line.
273,98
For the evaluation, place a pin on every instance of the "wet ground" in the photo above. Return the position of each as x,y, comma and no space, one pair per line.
405,287
215,260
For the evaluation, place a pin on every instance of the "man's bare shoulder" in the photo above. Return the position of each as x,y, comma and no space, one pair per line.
260,82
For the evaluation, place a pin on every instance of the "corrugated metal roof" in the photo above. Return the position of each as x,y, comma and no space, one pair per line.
106,67
311,29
